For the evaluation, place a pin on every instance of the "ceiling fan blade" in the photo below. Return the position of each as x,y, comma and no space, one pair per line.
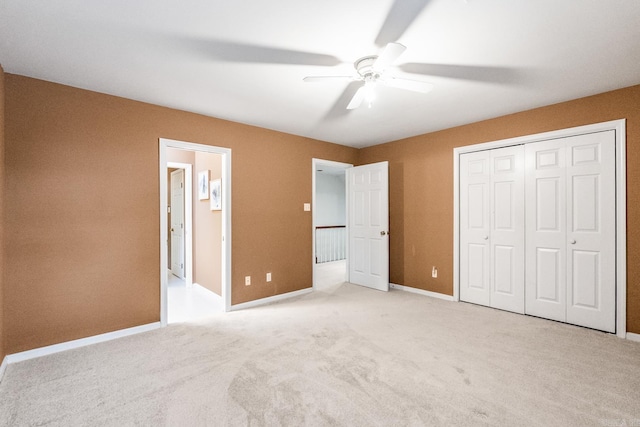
321,79
408,84
390,53
339,108
224,50
399,19
465,72
357,98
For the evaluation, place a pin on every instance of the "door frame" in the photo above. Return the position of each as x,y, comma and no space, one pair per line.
188,218
225,153
619,126
315,163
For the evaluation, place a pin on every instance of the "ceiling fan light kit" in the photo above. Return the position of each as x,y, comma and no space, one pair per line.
370,71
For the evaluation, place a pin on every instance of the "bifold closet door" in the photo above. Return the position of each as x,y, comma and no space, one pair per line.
475,181
570,230
492,228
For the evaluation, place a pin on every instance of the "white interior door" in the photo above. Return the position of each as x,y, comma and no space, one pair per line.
591,289
492,228
507,229
177,223
546,230
475,226
368,224
570,261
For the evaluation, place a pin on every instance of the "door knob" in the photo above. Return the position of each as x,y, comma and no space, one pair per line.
171,229
383,233
573,242
486,237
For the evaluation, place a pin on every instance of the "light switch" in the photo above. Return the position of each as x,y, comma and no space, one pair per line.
307,207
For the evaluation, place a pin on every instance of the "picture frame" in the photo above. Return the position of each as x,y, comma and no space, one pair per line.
215,194
203,185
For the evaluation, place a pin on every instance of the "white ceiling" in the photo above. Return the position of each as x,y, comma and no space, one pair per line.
244,60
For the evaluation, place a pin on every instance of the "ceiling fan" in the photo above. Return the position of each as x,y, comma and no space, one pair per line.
370,70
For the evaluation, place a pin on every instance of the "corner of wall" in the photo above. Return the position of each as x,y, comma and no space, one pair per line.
2,334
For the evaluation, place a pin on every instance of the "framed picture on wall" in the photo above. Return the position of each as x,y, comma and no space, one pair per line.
215,195
203,185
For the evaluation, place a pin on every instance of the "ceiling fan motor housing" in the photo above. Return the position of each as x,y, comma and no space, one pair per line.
364,67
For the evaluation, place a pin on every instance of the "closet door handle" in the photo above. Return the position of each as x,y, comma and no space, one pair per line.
486,237
573,242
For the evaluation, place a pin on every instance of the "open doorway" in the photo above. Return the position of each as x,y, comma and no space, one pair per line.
329,202
201,285
187,301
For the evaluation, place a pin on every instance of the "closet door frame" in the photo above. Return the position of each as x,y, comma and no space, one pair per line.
619,126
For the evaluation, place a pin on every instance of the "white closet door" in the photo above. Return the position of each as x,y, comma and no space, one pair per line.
570,230
475,226
507,229
545,188
591,290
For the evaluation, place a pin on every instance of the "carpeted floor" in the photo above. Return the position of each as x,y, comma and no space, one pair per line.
343,356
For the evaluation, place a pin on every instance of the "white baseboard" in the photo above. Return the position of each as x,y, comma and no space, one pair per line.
82,342
269,300
3,367
633,337
422,292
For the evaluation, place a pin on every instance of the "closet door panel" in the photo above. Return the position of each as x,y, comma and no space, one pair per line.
507,229
545,250
475,227
591,230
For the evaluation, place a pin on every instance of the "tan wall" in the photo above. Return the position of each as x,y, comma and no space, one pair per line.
2,347
421,187
81,204
82,209
208,240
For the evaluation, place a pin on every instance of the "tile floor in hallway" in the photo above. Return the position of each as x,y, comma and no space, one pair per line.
190,303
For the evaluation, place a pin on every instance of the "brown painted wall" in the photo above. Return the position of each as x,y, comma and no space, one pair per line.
208,240
421,186
2,347
82,209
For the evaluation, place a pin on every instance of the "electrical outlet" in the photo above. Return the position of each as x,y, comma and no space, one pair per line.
268,277
434,272
247,280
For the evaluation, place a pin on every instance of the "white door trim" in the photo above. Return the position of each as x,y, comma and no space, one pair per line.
188,218
164,144
314,166
619,126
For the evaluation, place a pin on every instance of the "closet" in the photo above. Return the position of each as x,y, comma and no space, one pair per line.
537,229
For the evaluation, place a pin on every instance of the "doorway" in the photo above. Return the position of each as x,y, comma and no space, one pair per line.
222,213
329,212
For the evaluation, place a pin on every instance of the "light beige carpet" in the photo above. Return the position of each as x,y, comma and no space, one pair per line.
345,356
